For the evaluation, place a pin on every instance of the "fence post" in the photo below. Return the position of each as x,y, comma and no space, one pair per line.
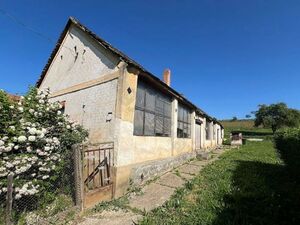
78,175
9,199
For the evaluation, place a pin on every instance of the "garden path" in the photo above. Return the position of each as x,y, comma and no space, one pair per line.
151,196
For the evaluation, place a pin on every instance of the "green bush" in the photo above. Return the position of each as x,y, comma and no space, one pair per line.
288,146
35,147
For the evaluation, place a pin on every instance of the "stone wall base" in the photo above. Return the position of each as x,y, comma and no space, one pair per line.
148,170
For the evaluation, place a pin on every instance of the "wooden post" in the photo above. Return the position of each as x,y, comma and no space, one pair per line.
78,176
9,199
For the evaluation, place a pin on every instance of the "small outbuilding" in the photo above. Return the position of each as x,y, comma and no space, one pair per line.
236,138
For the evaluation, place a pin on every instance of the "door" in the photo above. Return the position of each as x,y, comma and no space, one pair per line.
97,174
198,136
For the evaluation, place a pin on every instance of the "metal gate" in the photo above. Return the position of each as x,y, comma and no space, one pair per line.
97,174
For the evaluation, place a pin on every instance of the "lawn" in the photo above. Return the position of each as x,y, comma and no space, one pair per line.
249,185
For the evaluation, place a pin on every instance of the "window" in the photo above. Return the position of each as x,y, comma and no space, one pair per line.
152,112
184,122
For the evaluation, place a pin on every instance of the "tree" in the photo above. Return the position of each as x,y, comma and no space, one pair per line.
276,116
234,118
248,116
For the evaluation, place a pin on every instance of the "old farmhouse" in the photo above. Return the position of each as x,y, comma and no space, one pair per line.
149,126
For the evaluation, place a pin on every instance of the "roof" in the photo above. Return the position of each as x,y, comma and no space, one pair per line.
14,98
123,57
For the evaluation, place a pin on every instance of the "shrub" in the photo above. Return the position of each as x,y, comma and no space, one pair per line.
288,146
35,143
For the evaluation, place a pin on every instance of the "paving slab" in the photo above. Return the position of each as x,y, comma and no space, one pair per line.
154,195
198,163
187,176
110,217
171,180
190,169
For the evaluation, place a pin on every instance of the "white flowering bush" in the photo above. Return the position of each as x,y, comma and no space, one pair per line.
35,143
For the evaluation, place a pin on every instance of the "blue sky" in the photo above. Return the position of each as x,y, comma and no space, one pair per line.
225,56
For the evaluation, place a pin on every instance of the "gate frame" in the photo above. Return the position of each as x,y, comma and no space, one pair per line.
99,194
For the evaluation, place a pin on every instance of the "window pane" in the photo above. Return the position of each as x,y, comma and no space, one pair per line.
140,96
180,113
167,127
167,109
149,123
189,117
150,99
159,125
138,122
184,115
180,129
185,130
159,106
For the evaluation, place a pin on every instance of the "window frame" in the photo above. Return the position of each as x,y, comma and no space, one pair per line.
165,114
184,122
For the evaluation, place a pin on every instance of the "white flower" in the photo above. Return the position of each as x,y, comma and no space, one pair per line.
68,127
58,112
16,147
9,165
31,111
8,149
20,109
22,139
29,149
46,148
11,107
41,101
4,138
1,142
22,97
42,135
31,138
12,127
45,177
11,144
19,103
18,196
32,130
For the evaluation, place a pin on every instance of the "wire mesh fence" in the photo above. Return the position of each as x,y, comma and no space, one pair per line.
54,203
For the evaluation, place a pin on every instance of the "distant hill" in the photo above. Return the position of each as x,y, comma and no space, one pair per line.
238,124
246,127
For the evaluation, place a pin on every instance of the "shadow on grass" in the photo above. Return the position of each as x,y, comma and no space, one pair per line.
263,194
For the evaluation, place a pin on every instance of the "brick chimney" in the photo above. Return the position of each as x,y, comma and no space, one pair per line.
167,77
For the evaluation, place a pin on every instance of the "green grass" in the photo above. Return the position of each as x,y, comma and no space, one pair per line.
249,185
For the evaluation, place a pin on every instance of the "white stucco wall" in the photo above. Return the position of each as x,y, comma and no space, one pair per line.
73,66
94,108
